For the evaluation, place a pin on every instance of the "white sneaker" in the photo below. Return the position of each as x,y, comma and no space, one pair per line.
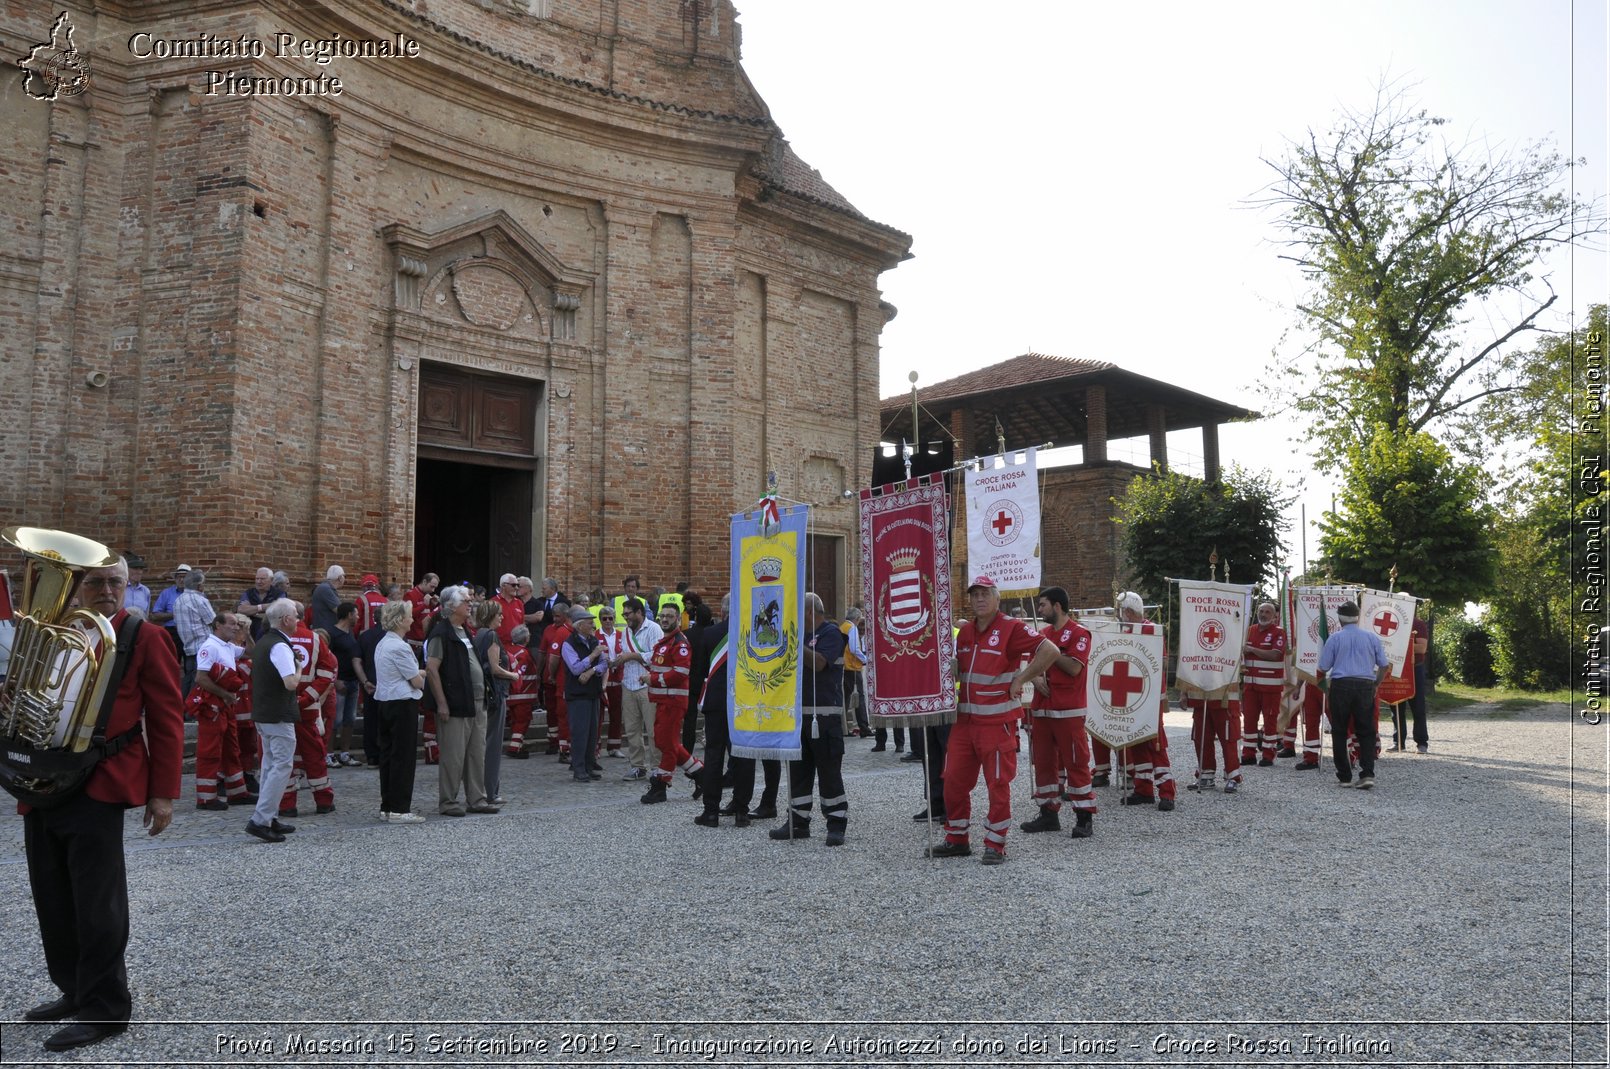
407,818
385,817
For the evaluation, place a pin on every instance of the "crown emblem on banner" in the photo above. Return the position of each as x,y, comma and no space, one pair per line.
903,560
768,570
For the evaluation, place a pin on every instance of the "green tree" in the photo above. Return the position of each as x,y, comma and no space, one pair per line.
1406,503
1172,522
1547,509
1401,236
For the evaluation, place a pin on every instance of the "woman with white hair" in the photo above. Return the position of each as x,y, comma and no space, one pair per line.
399,683
457,694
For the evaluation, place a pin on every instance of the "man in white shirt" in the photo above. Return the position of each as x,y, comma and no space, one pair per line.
637,712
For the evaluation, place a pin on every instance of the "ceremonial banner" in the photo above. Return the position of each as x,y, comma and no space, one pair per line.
764,632
1003,525
1307,636
1397,686
1125,683
1391,617
905,582
1213,627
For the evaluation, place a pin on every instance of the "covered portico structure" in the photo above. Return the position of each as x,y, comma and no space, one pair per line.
1083,406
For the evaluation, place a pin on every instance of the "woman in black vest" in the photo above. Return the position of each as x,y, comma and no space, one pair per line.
499,673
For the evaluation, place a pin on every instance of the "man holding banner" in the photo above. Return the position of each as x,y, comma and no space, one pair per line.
821,731
1355,661
984,737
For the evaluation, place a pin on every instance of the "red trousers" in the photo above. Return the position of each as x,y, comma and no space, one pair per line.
1059,747
217,755
668,740
612,717
246,739
558,718
1313,709
980,745
1260,719
309,764
522,707
433,751
1214,722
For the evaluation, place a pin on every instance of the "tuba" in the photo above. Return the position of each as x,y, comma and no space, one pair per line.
51,698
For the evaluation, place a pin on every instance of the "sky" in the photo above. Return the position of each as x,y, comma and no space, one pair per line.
1077,177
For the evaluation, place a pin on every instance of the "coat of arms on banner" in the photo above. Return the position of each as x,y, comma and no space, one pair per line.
906,608
772,643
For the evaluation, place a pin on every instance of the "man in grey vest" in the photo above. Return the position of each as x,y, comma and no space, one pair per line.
274,709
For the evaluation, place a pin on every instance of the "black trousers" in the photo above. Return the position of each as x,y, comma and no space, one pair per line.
371,728
717,745
820,764
932,741
81,896
743,780
399,724
1352,705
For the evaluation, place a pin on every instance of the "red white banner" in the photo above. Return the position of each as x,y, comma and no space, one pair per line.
1308,604
1213,628
1126,681
1003,524
905,582
1391,617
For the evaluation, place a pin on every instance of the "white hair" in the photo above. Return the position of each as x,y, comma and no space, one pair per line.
452,597
281,609
335,571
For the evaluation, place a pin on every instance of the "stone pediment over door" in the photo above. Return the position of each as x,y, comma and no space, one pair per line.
489,274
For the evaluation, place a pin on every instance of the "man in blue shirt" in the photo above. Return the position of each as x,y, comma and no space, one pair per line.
1354,661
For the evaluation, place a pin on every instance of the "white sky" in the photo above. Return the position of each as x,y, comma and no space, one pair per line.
1075,174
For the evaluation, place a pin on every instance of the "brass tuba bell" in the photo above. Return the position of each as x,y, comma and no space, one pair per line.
52,694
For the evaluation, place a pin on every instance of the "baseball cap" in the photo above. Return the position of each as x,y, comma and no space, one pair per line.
371,578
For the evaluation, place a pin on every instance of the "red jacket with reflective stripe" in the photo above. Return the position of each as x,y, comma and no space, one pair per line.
986,661
668,671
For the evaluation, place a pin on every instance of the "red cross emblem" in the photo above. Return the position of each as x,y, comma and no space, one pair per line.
1119,685
1002,523
1211,635
1385,623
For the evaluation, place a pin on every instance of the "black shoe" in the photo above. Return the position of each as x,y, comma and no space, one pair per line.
84,1033
1048,820
1265,762
740,819
655,793
1084,826
1136,799
707,820
325,809
52,1011
591,775
522,754
879,748
263,832
835,838
1286,751
1165,805
553,748
1305,766
899,749
217,805
241,799
910,757
282,827
1100,779
791,830
731,809
939,817
949,849
763,812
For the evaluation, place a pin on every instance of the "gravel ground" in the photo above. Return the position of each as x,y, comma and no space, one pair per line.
1456,914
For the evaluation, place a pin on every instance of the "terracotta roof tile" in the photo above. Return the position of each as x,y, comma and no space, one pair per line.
1030,369
785,171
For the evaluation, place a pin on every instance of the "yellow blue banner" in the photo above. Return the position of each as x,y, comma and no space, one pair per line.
764,632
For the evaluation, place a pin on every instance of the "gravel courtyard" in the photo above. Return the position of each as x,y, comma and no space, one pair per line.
1456,914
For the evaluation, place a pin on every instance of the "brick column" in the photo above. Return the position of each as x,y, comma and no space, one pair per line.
1095,424
1156,425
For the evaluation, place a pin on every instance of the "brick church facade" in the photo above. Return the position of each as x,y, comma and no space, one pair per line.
547,292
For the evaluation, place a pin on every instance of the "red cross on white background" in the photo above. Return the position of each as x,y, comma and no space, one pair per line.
1002,523
1385,623
1212,633
1119,685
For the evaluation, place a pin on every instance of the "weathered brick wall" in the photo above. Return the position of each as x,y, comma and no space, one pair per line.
224,259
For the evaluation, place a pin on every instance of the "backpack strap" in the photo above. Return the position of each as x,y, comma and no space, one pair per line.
126,637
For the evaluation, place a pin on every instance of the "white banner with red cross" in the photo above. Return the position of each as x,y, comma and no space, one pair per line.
1003,523
1391,617
1124,684
1313,619
1213,627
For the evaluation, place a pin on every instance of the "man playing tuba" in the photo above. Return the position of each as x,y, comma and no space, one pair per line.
75,848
